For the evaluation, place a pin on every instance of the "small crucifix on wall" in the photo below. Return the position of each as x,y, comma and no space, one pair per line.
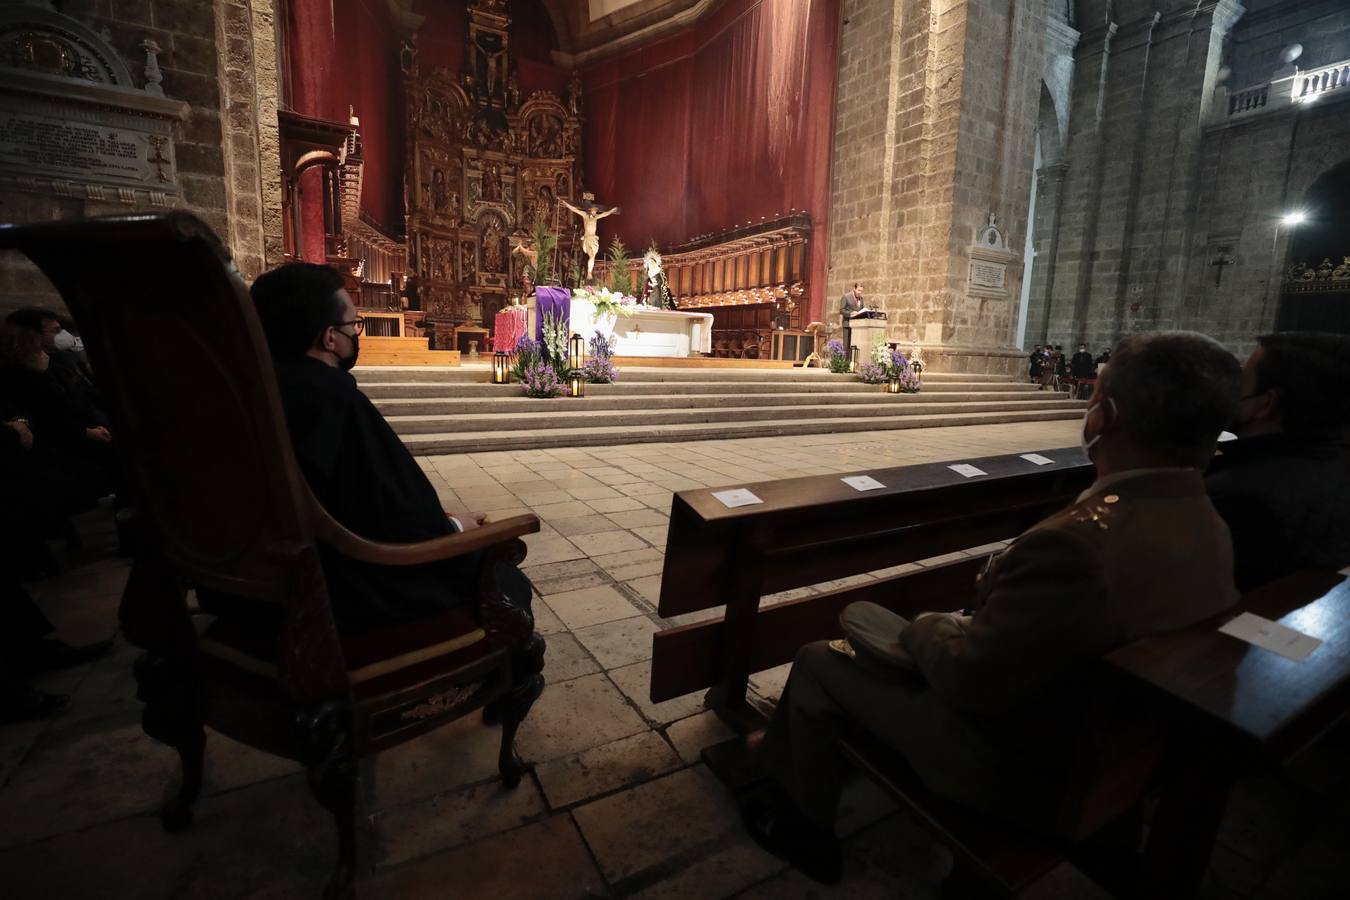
1220,260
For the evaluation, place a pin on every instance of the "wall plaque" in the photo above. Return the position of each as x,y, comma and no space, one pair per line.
988,274
989,259
71,121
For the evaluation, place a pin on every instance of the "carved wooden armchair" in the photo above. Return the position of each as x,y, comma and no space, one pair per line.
224,511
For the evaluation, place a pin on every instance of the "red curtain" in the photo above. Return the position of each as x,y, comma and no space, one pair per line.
726,123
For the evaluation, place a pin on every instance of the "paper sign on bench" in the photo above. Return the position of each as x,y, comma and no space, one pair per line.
1038,459
967,470
862,482
738,497
1272,636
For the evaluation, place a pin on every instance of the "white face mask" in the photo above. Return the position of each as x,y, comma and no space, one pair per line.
64,340
1083,439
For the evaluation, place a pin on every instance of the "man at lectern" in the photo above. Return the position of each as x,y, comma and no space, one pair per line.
850,305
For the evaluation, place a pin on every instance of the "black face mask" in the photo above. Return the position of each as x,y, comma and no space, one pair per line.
346,363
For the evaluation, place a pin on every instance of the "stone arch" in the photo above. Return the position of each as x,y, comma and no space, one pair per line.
1315,280
1049,129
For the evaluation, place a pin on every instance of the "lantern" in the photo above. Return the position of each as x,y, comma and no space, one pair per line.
578,383
576,355
501,367
893,386
917,368
853,358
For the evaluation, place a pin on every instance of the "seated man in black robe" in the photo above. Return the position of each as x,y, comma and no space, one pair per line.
357,467
1283,486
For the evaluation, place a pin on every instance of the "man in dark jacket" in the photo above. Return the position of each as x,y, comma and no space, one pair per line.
354,463
1284,486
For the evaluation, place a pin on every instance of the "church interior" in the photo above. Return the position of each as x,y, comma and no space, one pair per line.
675,448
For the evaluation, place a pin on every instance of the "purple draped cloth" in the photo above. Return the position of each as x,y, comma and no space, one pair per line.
555,300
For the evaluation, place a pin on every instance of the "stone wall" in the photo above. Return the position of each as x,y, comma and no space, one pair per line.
186,33
1158,182
935,127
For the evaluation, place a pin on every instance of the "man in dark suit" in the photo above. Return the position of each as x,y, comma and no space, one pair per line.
354,462
1283,486
990,717
850,305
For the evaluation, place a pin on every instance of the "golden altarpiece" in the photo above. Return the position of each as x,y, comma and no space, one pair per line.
481,162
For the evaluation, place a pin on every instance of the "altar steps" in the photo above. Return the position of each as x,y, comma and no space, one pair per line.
433,391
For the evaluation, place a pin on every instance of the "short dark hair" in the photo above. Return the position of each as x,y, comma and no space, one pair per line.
32,318
19,344
1311,373
1175,391
295,303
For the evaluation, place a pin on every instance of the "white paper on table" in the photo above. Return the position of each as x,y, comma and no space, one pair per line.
967,470
1272,636
1038,459
862,482
738,497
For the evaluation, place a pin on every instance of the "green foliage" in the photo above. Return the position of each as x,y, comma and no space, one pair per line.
544,241
573,274
620,279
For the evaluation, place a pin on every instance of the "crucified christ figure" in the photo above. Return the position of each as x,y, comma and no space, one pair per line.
591,213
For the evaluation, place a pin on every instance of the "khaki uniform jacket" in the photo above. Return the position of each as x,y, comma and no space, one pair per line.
1009,685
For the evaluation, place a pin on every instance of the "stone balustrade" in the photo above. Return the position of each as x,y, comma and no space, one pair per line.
1302,87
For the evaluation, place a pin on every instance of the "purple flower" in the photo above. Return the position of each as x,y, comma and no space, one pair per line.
872,373
540,381
899,360
834,348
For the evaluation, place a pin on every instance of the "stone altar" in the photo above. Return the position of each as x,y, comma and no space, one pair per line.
648,331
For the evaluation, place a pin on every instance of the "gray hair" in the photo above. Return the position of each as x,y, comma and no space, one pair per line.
1175,391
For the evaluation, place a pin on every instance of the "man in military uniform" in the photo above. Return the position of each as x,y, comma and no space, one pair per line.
991,713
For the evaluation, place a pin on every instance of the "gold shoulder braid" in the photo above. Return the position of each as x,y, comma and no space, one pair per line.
1097,511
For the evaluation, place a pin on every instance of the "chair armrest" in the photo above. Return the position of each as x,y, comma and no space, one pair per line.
334,534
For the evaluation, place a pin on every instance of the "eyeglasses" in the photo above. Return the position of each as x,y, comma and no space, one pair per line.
358,324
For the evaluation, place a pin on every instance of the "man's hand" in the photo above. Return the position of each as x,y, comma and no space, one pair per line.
25,433
99,433
469,521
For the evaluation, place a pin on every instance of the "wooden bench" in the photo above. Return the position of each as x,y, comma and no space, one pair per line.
812,530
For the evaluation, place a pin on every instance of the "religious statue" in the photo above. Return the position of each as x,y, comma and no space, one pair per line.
655,289
440,198
545,136
492,183
492,247
525,249
574,93
590,213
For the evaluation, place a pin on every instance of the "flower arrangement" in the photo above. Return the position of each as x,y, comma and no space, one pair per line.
555,343
607,302
909,381
541,382
599,369
526,354
836,357
872,372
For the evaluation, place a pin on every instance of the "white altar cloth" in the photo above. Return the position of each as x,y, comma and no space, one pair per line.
649,331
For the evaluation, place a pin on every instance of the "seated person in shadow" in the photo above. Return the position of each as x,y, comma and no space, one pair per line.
1283,486
67,365
989,710
356,466
59,436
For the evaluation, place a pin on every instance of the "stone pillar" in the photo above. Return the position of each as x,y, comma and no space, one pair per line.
1049,201
934,133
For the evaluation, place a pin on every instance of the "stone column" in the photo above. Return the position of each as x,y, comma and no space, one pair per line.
1049,200
935,132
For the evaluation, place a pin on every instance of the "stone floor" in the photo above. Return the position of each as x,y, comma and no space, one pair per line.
618,804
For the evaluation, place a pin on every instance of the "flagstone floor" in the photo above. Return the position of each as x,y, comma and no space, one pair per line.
618,804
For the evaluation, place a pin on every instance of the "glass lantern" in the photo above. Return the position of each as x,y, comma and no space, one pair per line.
501,367
576,351
578,384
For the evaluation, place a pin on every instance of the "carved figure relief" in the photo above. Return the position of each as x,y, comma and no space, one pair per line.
492,183
468,269
494,246
545,136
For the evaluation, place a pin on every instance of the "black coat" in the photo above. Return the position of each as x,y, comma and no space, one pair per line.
1286,499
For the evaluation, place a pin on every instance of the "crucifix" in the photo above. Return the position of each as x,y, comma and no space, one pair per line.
1223,259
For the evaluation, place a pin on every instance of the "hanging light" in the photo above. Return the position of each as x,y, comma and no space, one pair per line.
501,371
578,383
576,355
893,386
853,358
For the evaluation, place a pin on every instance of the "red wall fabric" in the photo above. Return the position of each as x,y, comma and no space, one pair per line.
724,123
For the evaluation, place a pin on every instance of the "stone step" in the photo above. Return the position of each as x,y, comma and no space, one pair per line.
596,401
475,441
469,374
564,413
626,388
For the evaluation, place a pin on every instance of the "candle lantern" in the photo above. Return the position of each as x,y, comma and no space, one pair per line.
853,358
576,356
578,384
893,386
501,367
917,368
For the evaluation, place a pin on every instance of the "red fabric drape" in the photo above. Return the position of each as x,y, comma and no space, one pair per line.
723,124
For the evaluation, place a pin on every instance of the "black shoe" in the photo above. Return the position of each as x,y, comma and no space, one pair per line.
793,838
25,704
50,653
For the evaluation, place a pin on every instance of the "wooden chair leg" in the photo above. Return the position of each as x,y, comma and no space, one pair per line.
331,765
171,716
527,663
